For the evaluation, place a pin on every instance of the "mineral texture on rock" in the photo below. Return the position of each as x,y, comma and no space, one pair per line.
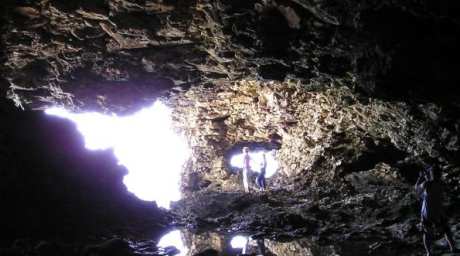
353,97
346,167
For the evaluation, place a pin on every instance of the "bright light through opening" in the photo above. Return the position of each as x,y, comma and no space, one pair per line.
239,242
174,238
256,162
144,143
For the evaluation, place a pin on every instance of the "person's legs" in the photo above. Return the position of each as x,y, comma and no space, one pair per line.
427,235
450,241
448,235
245,180
258,181
427,243
261,245
245,247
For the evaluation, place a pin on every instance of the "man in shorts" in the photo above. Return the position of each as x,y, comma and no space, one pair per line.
429,189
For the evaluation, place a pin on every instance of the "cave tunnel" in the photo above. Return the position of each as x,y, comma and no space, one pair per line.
122,125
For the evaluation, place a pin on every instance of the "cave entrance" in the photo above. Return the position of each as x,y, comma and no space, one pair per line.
239,242
145,143
256,152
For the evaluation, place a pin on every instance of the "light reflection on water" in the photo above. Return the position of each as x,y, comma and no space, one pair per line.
230,245
174,238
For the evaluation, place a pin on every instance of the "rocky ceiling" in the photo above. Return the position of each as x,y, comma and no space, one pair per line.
354,95
117,56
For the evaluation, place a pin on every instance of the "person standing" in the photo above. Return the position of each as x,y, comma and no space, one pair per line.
260,180
246,168
429,189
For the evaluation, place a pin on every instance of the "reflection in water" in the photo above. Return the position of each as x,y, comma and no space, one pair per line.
174,238
225,244
209,243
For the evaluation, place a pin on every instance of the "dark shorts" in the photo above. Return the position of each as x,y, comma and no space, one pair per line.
434,226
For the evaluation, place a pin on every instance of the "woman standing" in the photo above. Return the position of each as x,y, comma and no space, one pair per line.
246,168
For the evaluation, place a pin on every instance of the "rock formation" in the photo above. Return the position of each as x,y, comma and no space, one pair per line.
346,166
354,96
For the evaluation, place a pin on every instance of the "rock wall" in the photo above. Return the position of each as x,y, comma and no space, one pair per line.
303,247
325,133
347,166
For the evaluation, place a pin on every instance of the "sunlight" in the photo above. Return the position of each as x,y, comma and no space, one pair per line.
238,242
174,238
144,143
256,160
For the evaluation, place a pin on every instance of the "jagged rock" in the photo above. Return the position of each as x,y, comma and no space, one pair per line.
324,135
353,95
301,247
81,54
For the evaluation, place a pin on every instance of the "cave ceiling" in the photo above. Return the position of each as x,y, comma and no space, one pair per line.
117,56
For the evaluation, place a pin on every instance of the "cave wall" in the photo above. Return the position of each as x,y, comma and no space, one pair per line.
326,133
361,93
347,165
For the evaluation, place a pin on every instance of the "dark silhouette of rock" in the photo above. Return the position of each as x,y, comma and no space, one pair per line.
208,252
112,247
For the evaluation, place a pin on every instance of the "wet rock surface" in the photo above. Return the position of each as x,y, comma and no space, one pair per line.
347,167
378,221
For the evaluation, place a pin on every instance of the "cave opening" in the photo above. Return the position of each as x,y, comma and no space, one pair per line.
256,157
145,143
257,150
239,242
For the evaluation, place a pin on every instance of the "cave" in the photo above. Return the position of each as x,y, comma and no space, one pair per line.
143,142
122,121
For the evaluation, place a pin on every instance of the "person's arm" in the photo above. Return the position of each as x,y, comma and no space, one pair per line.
419,180
420,185
263,164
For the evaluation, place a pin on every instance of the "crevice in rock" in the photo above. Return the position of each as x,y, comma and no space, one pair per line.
383,152
273,71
